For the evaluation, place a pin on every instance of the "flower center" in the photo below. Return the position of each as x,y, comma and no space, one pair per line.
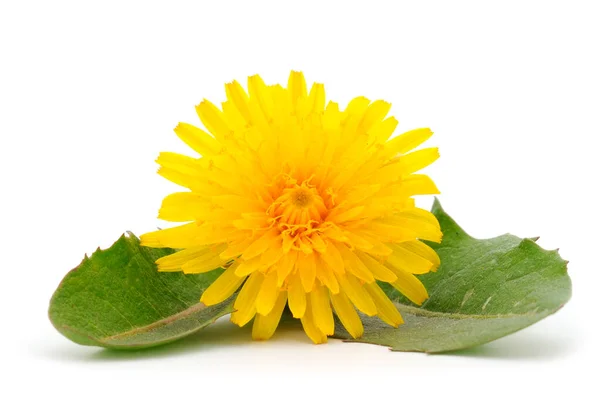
301,197
298,206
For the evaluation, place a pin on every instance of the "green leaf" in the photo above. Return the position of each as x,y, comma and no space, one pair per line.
485,289
117,299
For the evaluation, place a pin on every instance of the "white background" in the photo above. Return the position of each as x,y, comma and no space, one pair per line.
90,92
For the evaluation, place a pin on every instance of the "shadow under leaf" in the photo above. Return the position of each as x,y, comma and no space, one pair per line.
524,346
220,335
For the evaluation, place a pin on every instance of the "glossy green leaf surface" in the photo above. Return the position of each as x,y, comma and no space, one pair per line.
117,299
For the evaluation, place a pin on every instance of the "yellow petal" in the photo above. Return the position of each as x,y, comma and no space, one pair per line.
285,266
331,118
193,183
215,233
184,206
316,98
408,225
310,327
419,159
296,296
362,240
327,277
317,243
197,139
333,258
287,243
273,253
411,287
334,233
307,269
417,218
424,251
248,267
418,184
407,141
238,203
261,244
182,236
245,302
296,86
380,272
260,95
192,174
265,301
264,326
382,131
354,264
321,310
213,119
223,287
234,119
252,223
206,262
374,114
356,241
379,249
389,173
238,97
236,248
407,261
386,310
346,215
357,294
355,109
347,314
179,162
175,262
391,231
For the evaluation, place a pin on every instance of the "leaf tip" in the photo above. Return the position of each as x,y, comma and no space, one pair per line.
437,206
130,236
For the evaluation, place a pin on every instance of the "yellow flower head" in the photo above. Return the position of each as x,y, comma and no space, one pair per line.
302,204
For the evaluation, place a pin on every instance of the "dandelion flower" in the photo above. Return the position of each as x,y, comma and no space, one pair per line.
301,204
